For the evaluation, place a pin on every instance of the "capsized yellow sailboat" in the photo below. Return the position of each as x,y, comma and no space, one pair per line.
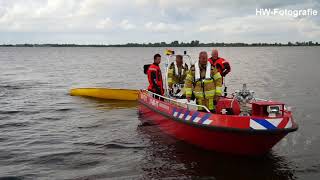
106,93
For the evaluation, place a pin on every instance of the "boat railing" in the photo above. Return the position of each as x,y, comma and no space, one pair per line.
187,105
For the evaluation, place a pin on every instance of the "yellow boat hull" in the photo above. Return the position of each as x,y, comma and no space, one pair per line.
105,93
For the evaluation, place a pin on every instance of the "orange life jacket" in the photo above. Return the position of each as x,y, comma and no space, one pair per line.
158,79
222,65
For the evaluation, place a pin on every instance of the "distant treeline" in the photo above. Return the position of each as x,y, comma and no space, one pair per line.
195,43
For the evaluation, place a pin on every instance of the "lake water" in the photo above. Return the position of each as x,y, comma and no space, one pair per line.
47,134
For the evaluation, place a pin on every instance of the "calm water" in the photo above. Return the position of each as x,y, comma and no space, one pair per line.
46,134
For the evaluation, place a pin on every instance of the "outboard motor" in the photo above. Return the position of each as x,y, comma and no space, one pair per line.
244,97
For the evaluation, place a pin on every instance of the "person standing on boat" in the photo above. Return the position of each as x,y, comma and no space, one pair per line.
177,72
221,64
155,76
204,82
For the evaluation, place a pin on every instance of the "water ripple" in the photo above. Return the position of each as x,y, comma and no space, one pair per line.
47,134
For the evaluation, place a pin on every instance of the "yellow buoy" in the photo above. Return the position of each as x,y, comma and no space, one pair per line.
105,93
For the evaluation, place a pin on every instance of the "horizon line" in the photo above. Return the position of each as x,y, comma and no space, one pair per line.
193,43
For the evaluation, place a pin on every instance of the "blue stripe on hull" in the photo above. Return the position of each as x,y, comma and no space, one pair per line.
194,115
204,118
173,111
186,114
265,123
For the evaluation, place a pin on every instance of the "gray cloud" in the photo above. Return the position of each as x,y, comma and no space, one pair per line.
109,21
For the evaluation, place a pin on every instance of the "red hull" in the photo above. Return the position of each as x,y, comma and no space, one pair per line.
221,139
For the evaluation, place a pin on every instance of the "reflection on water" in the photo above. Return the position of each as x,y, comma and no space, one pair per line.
179,160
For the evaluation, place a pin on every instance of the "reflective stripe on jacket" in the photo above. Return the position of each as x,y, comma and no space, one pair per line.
177,75
205,89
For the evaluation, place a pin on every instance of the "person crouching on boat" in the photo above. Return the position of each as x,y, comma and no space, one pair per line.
204,82
221,64
177,72
155,76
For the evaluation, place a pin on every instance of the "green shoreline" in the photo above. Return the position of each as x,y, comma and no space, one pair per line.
172,44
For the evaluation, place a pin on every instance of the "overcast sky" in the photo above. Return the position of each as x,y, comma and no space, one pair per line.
122,21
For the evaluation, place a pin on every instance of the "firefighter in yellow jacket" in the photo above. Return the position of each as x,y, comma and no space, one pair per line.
204,81
177,72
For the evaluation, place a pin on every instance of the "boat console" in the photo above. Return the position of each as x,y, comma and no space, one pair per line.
244,103
270,109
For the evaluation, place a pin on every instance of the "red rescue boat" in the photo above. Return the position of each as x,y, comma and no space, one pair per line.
242,124
249,135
